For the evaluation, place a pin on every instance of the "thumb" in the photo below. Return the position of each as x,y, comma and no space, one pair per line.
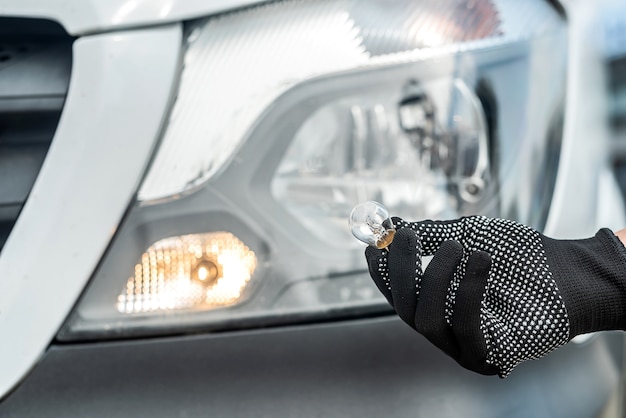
379,270
405,273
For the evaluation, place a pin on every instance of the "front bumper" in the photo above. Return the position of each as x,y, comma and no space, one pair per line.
369,368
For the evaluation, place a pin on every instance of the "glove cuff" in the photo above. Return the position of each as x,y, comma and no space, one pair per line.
591,277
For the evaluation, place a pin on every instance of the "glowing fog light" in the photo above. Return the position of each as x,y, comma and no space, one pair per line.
198,271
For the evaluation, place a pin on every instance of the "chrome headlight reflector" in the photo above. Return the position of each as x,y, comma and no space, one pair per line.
290,113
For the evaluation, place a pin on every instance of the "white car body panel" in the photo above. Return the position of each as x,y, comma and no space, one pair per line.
108,128
574,212
80,17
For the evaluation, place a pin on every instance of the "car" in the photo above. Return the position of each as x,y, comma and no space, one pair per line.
177,178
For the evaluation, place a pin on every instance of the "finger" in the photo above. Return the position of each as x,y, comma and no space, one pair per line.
467,311
377,265
434,233
430,313
405,272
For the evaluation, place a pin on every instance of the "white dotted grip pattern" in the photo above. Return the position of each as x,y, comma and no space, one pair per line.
523,316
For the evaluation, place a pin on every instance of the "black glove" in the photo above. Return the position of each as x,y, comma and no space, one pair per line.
497,293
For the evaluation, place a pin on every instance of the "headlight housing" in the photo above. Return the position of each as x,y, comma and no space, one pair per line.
290,113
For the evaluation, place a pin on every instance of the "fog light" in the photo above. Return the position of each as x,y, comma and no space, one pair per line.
198,271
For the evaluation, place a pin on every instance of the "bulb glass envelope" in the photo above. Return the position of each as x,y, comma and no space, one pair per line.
289,114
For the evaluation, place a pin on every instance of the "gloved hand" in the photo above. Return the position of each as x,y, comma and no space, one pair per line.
497,293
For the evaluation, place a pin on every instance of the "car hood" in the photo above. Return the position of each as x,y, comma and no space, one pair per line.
80,17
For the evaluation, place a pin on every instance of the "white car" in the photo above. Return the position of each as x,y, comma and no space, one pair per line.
176,178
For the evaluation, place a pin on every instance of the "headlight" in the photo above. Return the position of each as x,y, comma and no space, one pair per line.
287,115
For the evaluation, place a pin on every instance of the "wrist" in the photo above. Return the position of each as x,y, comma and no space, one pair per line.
621,234
591,275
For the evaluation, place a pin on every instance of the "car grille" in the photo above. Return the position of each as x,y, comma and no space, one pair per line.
35,66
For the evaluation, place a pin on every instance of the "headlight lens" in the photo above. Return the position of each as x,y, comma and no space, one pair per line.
288,115
420,148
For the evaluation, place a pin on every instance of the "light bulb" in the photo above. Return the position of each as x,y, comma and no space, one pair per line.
370,223
206,272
